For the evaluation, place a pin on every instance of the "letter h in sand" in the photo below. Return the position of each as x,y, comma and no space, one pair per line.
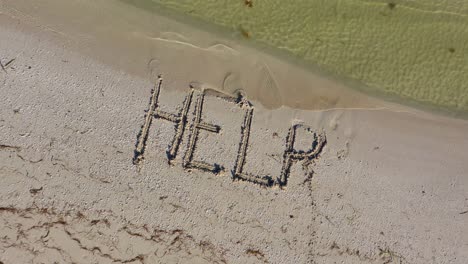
180,121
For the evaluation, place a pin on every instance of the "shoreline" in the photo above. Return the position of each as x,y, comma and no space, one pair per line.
355,83
136,36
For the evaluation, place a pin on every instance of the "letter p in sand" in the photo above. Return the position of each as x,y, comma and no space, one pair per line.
291,155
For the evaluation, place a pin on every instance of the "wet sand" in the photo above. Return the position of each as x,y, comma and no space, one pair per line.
111,154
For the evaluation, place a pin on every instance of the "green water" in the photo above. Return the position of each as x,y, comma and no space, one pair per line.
415,51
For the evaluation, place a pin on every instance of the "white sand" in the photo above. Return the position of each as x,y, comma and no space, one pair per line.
388,186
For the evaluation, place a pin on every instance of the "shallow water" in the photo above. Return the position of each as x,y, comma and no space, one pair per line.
412,51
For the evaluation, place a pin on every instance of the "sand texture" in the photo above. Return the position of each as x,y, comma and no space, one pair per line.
109,159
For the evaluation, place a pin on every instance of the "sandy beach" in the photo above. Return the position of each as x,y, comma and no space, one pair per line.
127,137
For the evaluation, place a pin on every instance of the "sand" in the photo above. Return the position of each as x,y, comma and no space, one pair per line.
212,176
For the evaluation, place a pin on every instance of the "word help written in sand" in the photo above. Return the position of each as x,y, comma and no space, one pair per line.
194,126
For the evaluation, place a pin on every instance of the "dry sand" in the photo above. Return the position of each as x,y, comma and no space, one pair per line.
88,177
